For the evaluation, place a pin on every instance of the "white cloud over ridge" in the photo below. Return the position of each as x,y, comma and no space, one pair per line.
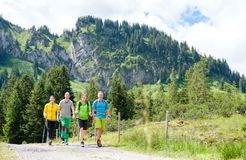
223,35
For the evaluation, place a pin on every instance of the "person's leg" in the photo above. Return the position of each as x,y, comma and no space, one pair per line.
47,124
63,132
80,129
83,129
67,127
99,131
52,127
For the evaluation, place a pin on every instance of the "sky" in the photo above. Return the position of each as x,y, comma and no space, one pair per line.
213,27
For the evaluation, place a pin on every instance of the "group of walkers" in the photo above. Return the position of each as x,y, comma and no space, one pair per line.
83,112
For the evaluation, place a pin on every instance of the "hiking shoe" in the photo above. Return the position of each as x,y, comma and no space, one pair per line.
50,142
82,143
62,142
99,144
66,143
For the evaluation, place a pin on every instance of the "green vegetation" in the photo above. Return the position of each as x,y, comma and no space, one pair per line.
134,49
78,86
22,38
205,99
6,153
63,43
10,63
214,138
22,103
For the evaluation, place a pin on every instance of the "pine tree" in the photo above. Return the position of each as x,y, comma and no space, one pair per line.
149,107
34,112
65,82
4,97
140,105
58,82
1,114
35,69
197,83
3,78
11,128
173,89
92,89
15,112
118,97
159,103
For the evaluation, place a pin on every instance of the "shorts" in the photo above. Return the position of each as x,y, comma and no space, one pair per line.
101,123
83,124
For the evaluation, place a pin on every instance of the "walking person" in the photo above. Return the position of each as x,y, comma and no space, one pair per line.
66,112
83,113
102,115
50,113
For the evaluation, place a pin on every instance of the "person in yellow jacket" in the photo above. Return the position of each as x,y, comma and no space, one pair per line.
51,116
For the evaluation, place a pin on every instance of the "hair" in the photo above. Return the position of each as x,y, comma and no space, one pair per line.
100,92
83,94
52,96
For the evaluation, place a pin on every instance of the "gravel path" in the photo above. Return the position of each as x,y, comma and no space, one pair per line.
75,152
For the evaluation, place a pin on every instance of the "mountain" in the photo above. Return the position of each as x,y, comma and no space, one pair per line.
98,48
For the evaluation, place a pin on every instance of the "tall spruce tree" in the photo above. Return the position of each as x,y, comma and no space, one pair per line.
160,103
139,103
197,83
173,89
92,89
58,82
34,111
15,112
119,98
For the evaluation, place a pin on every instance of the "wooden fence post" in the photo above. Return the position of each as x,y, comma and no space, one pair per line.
166,124
118,127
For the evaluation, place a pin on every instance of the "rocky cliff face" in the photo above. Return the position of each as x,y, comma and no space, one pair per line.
81,57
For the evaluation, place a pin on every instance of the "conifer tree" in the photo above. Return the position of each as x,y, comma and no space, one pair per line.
118,97
34,111
92,89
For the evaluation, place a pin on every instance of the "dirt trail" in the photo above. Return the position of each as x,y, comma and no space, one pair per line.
75,152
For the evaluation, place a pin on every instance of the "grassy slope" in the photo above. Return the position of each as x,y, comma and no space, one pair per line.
23,66
215,138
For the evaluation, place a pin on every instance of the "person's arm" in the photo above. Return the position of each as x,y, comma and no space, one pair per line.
60,107
89,108
72,107
108,112
45,111
57,113
77,108
93,109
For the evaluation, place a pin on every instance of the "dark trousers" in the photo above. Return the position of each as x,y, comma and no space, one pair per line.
50,126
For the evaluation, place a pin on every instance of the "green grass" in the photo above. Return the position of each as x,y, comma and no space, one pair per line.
89,29
65,44
22,38
46,49
214,138
6,153
10,63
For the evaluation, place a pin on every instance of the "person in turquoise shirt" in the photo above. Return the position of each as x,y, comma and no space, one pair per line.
83,113
102,114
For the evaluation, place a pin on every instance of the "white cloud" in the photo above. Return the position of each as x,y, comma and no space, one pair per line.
222,36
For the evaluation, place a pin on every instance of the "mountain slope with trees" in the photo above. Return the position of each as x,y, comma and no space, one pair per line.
97,48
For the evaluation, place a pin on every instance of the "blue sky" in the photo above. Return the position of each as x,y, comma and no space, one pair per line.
193,15
214,27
